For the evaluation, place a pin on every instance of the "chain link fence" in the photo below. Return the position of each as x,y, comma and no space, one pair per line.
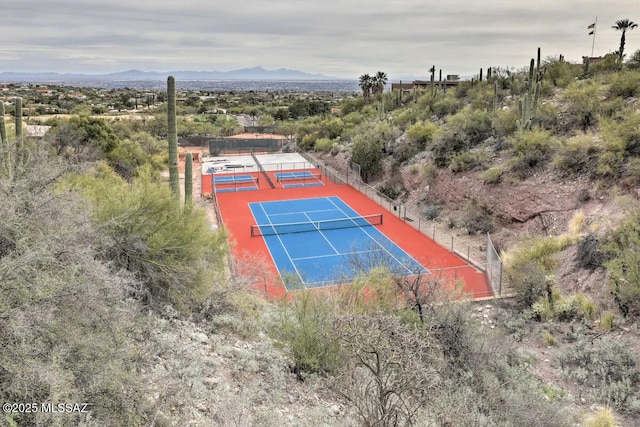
479,254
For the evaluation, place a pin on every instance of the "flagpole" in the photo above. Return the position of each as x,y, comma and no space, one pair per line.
595,27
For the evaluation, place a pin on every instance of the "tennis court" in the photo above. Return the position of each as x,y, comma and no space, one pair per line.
323,241
227,183
294,179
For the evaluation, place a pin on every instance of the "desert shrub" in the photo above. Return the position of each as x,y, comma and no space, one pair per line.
368,145
603,417
548,340
423,132
429,173
170,249
392,369
548,116
475,124
610,163
308,141
577,155
622,133
66,333
564,308
476,218
351,105
527,279
431,212
504,122
353,118
466,161
331,127
587,307
608,366
561,74
368,154
583,103
447,144
609,63
481,95
632,170
530,150
305,326
491,175
323,144
625,84
405,150
623,264
607,321
404,117
529,267
589,254
445,105
634,60
391,188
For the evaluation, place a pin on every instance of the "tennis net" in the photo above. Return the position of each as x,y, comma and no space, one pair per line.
241,179
302,177
328,224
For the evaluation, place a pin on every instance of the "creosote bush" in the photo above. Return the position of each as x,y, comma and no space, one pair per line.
623,264
578,155
607,367
170,249
530,150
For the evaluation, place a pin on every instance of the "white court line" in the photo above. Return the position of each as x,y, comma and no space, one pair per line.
283,246
305,212
378,243
323,236
340,253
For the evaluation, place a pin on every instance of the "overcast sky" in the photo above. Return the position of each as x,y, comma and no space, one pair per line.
342,38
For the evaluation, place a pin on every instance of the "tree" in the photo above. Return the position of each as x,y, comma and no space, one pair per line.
623,25
634,62
366,84
379,80
392,374
65,328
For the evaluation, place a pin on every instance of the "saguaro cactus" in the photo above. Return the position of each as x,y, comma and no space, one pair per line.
18,117
528,105
188,179
3,129
172,137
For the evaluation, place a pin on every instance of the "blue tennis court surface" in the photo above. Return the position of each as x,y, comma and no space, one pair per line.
295,179
230,183
323,241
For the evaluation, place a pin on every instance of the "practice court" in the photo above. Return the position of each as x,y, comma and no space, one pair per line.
322,241
292,227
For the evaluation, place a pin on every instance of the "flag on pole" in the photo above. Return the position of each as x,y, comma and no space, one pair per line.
591,32
591,26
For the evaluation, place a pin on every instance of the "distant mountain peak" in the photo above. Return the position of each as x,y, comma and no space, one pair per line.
253,73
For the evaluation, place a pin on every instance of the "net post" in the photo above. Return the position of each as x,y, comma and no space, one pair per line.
452,244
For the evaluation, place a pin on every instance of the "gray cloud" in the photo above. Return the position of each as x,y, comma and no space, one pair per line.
336,37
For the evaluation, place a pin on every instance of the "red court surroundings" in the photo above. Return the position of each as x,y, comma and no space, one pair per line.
252,259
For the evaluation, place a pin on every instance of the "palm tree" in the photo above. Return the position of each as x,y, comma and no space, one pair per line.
623,25
366,84
379,80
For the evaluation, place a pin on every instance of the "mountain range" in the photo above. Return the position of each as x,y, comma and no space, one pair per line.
255,73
